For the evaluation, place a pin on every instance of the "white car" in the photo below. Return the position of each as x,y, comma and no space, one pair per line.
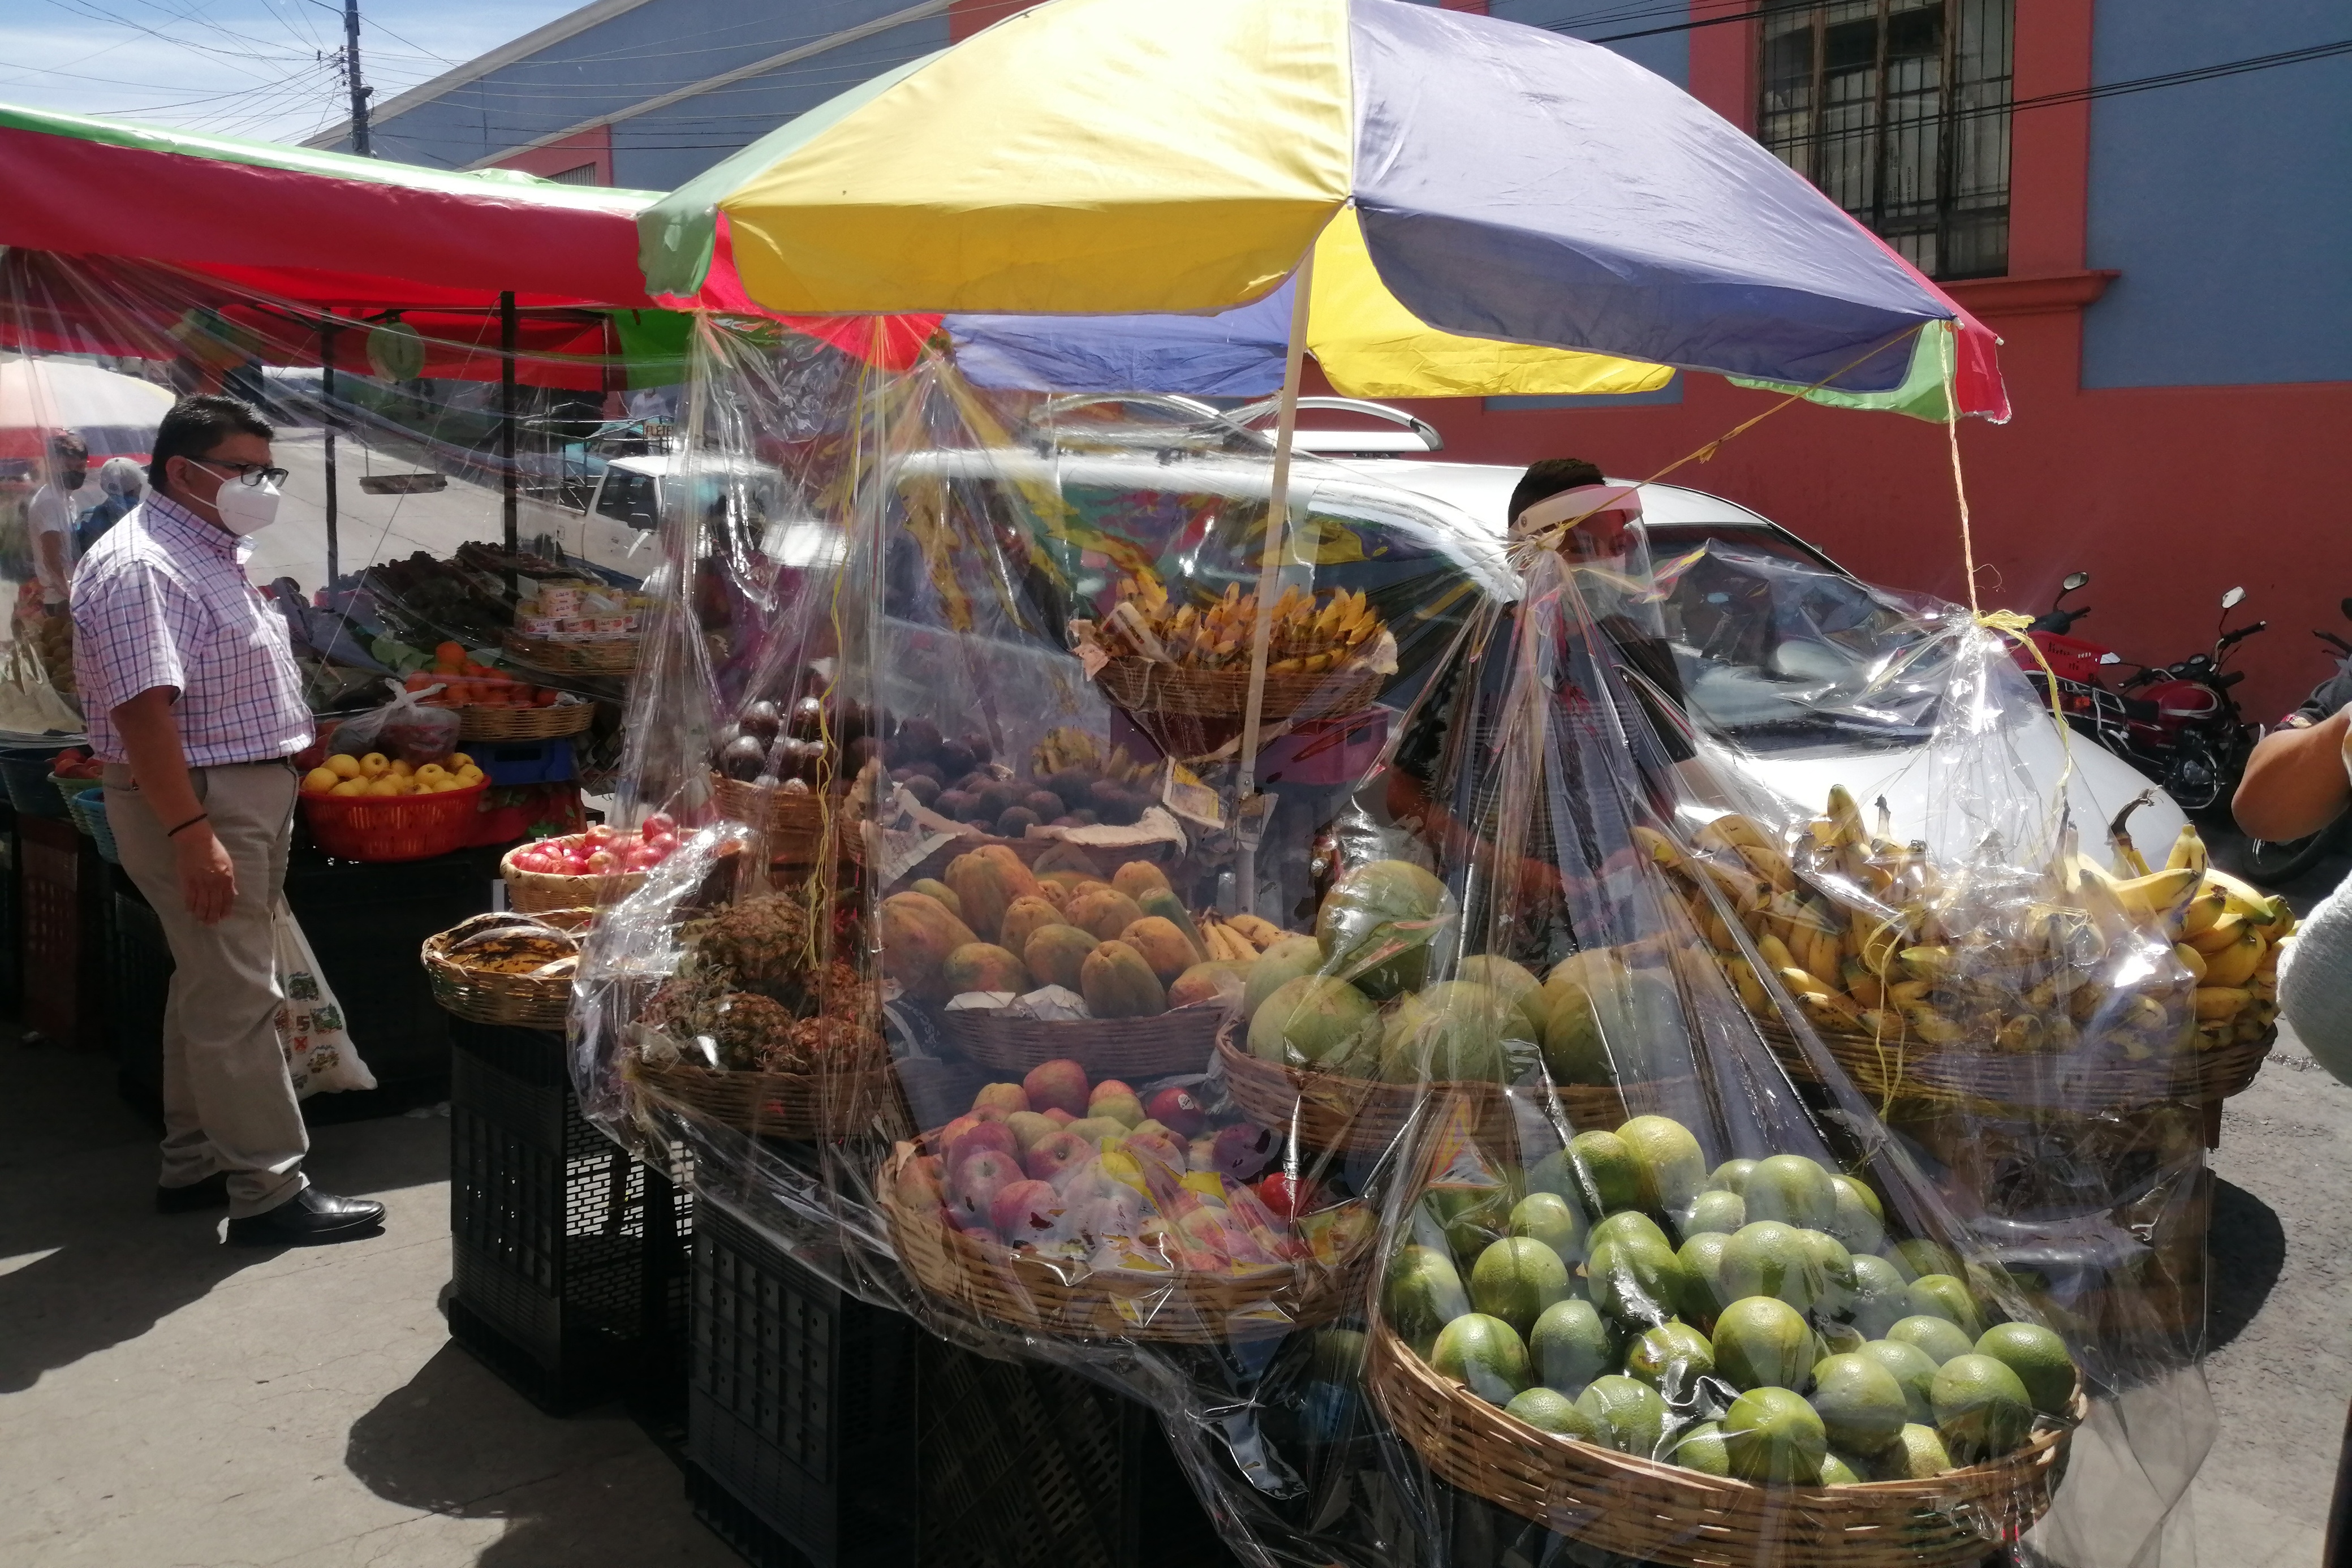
1796,675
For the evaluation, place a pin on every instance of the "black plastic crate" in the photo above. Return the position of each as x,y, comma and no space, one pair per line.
61,932
657,1394
547,1223
12,992
804,1404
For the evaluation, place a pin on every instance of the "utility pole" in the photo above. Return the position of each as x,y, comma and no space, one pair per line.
360,91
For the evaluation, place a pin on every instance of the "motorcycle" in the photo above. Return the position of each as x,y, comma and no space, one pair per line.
2182,728
2271,862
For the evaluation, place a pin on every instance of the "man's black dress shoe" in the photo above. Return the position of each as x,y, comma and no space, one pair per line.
309,1217
212,1193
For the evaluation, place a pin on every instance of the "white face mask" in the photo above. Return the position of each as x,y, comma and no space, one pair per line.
245,510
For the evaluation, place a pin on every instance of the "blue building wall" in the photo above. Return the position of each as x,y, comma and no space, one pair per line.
651,49
2226,204
1668,53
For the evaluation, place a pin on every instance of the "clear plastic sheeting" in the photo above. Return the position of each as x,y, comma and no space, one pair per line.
443,464
1516,1133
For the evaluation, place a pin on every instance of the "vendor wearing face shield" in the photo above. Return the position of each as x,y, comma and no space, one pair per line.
1587,628
195,705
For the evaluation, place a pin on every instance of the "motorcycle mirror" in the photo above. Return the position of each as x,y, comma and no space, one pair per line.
2346,607
2111,659
2073,579
2234,598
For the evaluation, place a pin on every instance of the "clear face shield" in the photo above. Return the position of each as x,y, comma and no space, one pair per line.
1597,529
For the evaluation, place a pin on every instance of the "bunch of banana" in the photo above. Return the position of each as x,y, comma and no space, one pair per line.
1867,937
1068,747
1238,938
1306,636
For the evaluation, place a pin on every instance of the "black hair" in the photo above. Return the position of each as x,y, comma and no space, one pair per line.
65,446
1547,477
196,425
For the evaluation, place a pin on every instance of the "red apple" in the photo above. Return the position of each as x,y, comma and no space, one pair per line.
1053,1157
999,1100
973,1185
1243,1151
600,861
659,824
1027,1211
1057,1085
1178,1111
983,1135
1057,1116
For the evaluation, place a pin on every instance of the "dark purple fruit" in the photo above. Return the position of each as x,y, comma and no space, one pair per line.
799,760
978,745
956,804
925,788
743,758
763,720
807,721
931,772
900,776
1066,822
1071,785
974,782
1045,803
999,798
919,738
860,752
1016,822
1084,816
1102,793
955,759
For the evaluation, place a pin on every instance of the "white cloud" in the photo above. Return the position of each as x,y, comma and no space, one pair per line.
241,68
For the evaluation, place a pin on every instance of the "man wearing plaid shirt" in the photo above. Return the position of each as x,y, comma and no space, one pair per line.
195,705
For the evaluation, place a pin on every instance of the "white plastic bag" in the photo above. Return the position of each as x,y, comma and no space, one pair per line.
318,1051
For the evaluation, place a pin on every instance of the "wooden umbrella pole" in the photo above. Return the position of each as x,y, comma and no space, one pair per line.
1248,822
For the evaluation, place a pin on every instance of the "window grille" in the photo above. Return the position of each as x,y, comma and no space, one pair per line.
1898,109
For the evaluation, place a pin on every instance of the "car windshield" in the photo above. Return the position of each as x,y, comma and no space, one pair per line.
1778,649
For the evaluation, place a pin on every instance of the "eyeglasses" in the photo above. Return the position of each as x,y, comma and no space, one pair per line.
251,475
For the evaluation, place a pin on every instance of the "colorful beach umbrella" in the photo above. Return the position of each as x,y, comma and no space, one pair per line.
1463,183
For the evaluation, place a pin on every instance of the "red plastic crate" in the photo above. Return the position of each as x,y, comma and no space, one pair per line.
392,828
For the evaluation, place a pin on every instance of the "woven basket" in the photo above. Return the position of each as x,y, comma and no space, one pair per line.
67,789
381,828
1664,1513
482,721
1030,1292
848,1103
1893,1073
535,892
609,655
516,1001
1193,712
1178,1041
1328,1111
89,811
796,822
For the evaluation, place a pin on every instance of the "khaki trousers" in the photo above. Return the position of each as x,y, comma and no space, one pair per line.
229,1102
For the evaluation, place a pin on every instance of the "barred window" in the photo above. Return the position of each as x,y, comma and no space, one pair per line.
1898,109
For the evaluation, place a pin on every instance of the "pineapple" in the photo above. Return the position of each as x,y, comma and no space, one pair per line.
762,943
755,1034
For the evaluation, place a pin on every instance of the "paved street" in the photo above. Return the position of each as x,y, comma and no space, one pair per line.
168,1402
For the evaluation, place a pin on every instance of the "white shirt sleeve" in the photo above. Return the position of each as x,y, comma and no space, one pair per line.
49,512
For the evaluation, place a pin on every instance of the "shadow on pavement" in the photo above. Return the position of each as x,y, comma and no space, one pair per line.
457,1441
2245,1251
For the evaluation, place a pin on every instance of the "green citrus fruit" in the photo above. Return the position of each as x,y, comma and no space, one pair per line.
1671,1358
1636,1282
1792,1189
1607,1172
1942,1296
1762,1341
1672,1166
1515,1279
1732,1176
1915,1373
1700,1448
1879,1296
2040,1360
1423,1293
1858,1221
1766,1257
1626,1416
1771,1435
1917,1455
1982,1410
1549,1410
1553,1220
1629,1222
1834,1268
1940,1337
1572,1346
1483,1354
1839,1471
1860,1403
1702,1259
1714,1211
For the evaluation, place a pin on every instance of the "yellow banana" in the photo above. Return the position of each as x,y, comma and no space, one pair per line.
2218,935
1862,985
1657,846
1908,993
2246,901
1933,1026
1776,953
1770,865
2159,896
1751,991
2191,960
1256,930
2234,965
2021,1034
1847,816
2209,904
1732,831
2188,851
1882,1024
1929,962
2217,1002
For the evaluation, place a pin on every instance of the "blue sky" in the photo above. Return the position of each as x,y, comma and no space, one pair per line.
241,68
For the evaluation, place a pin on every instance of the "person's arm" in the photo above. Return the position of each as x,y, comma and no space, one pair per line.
2295,782
49,553
151,738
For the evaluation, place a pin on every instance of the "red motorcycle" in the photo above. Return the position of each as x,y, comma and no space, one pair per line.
2176,722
